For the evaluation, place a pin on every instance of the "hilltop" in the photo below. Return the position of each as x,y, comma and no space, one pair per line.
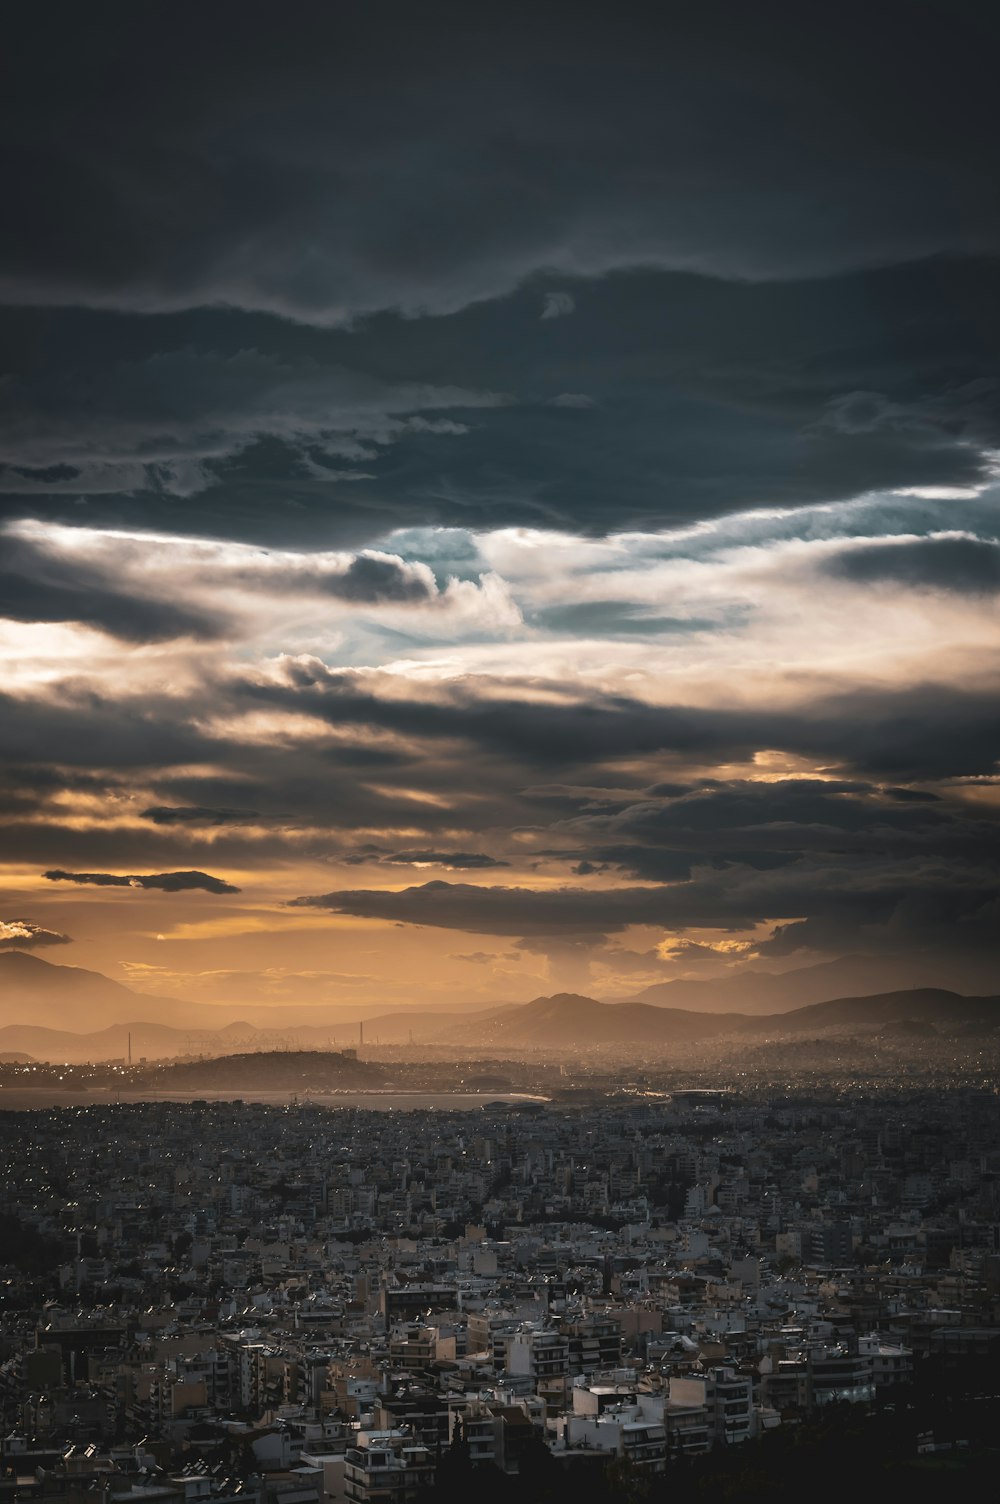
568,1019
277,1070
766,992
934,1005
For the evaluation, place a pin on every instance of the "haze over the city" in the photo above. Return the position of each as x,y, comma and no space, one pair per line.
495,503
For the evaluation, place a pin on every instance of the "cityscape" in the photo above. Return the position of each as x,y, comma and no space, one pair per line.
499,752
615,1266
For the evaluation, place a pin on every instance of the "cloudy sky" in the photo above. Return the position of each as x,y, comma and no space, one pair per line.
499,498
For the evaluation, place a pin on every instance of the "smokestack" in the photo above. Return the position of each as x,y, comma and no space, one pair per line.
361,1033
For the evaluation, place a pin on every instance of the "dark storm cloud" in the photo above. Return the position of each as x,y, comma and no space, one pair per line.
37,584
646,863
828,858
164,882
780,265
845,851
370,580
311,798
884,894
492,911
309,804
26,791
930,731
927,730
302,284
22,934
969,566
124,585
770,825
565,731
721,815
424,159
262,802
54,839
456,861
195,814
708,397
453,859
109,415
87,729
956,924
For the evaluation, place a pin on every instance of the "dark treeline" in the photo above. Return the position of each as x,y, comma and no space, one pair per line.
843,1453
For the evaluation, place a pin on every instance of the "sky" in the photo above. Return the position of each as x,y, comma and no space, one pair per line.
497,500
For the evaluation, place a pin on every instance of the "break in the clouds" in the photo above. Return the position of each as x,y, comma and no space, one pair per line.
556,458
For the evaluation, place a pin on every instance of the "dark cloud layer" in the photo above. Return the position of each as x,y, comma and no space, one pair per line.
326,282
453,859
914,734
966,565
372,580
705,397
164,882
928,730
906,900
47,579
320,170
197,814
856,860
775,264
37,585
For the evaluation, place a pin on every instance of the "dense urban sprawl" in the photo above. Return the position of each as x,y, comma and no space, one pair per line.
304,1305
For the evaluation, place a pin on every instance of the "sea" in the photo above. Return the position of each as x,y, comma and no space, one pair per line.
30,1098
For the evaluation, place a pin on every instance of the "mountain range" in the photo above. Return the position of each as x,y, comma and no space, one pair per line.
772,992
570,1019
37,991
69,997
33,991
43,990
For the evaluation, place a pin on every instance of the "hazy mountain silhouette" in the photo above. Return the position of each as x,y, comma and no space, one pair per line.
63,996
568,1019
154,1041
935,1005
163,1041
48,994
34,992
772,992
